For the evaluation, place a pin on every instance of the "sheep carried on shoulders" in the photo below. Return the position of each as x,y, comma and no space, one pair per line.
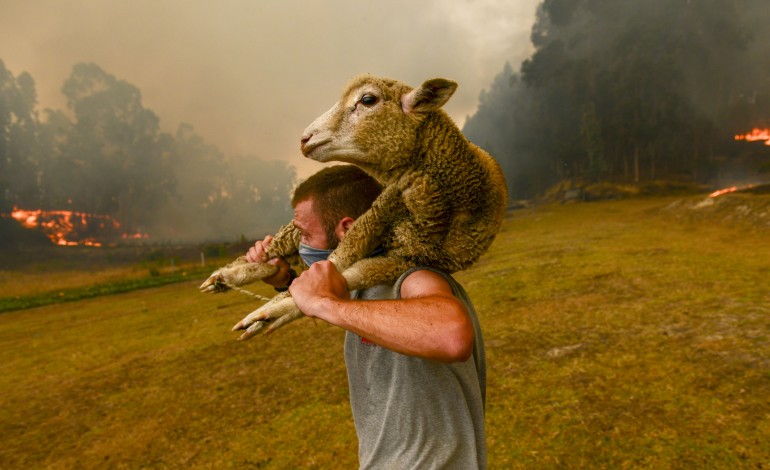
442,204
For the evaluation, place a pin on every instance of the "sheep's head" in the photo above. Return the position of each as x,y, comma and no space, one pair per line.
374,125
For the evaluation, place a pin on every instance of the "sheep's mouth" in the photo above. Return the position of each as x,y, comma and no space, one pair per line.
310,147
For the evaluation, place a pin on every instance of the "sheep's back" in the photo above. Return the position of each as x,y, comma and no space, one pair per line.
453,211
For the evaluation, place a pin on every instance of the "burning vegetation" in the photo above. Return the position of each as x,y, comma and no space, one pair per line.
756,135
70,228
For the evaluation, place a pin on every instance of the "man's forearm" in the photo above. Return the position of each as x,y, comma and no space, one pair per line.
434,327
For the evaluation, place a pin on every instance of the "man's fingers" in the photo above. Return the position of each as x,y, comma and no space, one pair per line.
258,252
266,246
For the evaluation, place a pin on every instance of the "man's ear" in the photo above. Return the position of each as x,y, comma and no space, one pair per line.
343,226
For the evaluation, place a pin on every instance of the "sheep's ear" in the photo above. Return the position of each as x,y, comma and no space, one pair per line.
429,96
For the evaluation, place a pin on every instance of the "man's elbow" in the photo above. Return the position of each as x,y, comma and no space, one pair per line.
459,341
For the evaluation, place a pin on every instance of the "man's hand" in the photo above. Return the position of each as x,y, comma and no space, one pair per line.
314,288
258,254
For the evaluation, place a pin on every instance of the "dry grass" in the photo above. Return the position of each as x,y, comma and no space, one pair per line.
154,379
617,336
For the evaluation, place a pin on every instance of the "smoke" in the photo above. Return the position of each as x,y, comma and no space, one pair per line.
630,92
110,162
249,76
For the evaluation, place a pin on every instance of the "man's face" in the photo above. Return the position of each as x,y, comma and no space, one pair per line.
308,222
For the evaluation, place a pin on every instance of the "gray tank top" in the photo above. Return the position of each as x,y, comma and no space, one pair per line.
415,413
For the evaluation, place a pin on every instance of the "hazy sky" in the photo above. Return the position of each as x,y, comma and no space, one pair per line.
250,75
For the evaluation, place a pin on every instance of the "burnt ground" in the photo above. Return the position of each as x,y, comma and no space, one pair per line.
749,209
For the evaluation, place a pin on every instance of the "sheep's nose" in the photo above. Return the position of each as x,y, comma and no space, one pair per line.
305,139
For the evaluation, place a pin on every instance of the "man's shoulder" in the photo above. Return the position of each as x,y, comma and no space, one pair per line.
422,281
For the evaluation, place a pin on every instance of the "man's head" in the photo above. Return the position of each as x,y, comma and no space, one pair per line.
327,203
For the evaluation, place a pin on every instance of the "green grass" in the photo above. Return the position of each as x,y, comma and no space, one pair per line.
95,290
619,335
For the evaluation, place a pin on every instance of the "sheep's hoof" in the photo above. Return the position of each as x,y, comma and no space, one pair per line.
255,328
214,284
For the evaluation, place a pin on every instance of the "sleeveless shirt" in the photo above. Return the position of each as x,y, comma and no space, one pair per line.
410,412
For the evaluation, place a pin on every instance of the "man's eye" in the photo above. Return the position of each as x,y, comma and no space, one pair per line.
369,100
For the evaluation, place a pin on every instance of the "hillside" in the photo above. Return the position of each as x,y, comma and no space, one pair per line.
627,333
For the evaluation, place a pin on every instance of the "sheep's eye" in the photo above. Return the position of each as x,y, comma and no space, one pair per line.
368,100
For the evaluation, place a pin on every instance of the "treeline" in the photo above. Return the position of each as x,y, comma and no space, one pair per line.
628,91
106,155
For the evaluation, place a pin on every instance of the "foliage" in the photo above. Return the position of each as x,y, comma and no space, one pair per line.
618,335
106,155
628,91
18,126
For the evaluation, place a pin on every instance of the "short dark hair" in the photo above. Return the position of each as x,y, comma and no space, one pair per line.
338,191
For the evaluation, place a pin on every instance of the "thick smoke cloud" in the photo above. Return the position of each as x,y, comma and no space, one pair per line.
249,76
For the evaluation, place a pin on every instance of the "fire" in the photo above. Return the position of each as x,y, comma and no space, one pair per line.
755,135
731,189
720,192
68,228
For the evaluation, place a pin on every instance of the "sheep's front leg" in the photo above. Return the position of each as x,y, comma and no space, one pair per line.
240,272
366,234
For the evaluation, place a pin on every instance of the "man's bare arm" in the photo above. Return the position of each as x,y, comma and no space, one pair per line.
428,321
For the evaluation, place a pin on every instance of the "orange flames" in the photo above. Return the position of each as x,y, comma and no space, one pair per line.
720,192
731,189
755,135
68,228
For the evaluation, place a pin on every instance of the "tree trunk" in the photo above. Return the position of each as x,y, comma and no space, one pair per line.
636,163
652,164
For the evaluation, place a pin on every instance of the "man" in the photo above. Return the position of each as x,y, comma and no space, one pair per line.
413,351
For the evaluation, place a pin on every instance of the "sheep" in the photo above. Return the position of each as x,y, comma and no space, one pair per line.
442,204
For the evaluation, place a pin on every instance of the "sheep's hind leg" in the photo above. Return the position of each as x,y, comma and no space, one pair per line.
366,233
280,311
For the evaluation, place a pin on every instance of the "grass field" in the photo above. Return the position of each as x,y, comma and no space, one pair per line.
624,334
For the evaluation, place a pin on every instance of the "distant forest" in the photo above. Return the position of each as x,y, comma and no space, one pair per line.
630,91
112,160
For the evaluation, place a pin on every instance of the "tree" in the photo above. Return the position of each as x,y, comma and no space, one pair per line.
114,149
110,159
629,91
18,129
218,197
